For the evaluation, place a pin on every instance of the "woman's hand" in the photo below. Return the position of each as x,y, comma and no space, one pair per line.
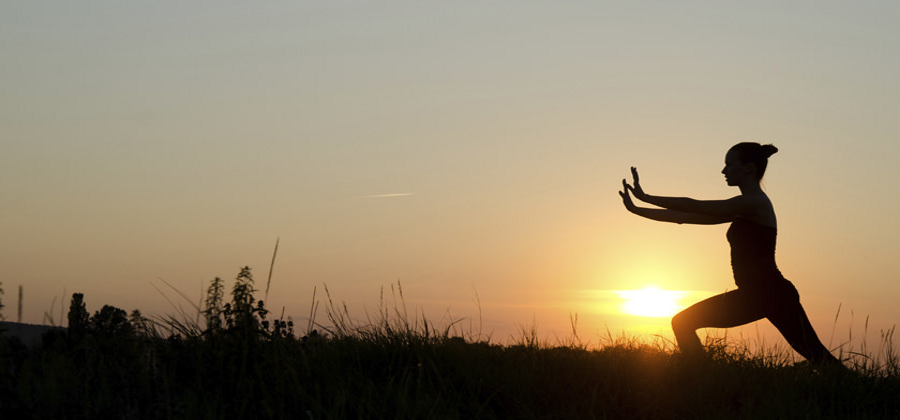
636,188
626,197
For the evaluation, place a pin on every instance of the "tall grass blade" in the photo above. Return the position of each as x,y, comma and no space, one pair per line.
19,312
271,267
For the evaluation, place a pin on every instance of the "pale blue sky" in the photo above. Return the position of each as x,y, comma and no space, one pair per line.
162,140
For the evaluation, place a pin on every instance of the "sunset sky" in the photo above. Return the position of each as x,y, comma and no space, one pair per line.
471,151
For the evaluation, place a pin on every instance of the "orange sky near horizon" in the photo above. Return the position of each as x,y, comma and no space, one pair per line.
471,152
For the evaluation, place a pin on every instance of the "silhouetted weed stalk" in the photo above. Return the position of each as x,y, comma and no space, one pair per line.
227,359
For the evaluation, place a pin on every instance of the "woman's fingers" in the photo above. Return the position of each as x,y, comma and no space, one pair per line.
626,199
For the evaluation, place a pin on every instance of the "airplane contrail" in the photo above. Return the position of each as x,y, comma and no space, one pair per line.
389,195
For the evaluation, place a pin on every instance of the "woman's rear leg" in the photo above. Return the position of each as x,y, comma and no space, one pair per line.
794,325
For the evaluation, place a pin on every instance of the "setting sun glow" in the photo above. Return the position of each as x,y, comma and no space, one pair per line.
651,302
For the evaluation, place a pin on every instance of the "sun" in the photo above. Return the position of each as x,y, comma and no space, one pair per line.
651,302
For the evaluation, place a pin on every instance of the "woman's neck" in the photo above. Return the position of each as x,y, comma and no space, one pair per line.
750,187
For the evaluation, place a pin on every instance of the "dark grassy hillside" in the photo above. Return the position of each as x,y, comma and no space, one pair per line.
241,364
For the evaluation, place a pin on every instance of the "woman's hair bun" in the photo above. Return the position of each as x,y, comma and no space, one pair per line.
768,150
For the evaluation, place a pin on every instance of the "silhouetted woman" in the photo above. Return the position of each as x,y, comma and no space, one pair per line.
762,292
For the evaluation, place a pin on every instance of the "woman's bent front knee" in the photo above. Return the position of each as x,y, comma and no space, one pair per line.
681,322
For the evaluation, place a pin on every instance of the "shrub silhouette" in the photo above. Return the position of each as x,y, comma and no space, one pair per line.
244,316
110,322
78,317
213,311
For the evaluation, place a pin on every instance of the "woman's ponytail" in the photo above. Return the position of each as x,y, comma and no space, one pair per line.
768,150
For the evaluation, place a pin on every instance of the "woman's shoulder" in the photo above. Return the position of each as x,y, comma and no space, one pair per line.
763,212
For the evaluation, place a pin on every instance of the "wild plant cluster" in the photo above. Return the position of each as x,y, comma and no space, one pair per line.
233,362
112,364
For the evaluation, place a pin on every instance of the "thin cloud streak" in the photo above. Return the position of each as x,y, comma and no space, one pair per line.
389,195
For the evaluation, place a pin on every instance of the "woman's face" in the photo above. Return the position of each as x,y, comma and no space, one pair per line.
735,171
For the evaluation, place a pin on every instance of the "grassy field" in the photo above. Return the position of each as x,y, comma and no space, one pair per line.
231,360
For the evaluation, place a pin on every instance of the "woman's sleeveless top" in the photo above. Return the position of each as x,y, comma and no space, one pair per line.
753,254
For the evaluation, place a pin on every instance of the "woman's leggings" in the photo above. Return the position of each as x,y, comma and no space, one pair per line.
778,303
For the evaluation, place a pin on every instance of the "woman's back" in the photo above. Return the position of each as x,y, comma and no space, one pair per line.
753,253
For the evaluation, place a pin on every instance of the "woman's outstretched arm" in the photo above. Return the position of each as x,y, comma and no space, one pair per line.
730,208
667,215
